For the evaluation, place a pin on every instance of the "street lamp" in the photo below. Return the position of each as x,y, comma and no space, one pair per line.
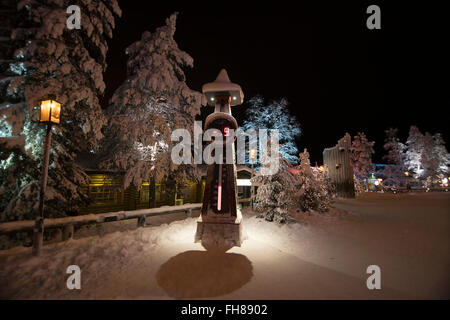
50,113
252,157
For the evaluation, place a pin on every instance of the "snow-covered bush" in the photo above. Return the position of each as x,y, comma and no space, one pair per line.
275,192
301,187
315,190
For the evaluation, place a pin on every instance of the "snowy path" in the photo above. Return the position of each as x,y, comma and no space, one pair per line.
406,235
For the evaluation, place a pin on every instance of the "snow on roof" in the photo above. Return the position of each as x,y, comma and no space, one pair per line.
223,85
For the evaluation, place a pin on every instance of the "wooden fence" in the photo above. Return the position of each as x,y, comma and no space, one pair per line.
67,224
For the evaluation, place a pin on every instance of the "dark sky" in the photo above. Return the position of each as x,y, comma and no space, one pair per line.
337,75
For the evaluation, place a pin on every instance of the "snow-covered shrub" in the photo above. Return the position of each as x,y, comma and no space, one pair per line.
315,190
275,192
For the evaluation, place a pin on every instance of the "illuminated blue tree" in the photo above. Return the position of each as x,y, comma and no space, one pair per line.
275,115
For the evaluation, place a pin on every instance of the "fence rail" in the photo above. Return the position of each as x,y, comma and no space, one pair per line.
68,223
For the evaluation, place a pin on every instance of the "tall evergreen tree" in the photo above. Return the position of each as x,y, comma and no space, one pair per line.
362,155
394,172
274,115
42,57
414,151
426,155
441,154
152,102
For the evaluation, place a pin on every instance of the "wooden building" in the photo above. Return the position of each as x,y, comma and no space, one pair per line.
337,160
106,194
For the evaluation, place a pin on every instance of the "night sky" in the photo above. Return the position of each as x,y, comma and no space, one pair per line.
337,75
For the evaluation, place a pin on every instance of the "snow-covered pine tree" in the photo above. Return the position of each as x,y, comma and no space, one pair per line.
426,156
275,115
394,172
42,57
275,192
152,102
442,156
362,156
414,151
314,187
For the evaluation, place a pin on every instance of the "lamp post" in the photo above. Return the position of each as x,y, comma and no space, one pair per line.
252,157
50,112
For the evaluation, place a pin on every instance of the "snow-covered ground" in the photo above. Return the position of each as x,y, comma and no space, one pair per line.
324,256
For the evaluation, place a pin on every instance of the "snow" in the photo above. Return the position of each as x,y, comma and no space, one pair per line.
323,256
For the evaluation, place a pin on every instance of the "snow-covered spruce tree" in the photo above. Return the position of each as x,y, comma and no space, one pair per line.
414,151
152,102
314,187
441,154
275,115
426,156
394,172
362,156
44,57
275,192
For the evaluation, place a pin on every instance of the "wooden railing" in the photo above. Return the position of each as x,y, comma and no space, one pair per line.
68,223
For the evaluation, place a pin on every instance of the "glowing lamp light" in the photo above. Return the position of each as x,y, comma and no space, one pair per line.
321,168
377,182
50,111
212,98
252,153
445,181
406,173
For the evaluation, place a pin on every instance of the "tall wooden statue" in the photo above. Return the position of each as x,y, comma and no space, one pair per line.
220,221
340,168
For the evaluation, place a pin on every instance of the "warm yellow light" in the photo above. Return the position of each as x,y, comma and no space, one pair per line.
252,153
50,111
406,173
321,168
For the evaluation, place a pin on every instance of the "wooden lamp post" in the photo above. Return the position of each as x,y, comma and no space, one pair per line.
50,114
